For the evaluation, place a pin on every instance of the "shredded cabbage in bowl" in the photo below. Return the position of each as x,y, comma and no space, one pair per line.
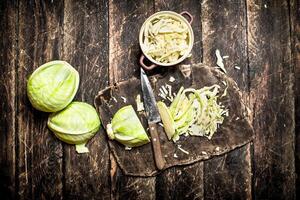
166,39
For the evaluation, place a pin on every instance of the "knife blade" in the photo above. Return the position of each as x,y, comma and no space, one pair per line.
149,99
153,117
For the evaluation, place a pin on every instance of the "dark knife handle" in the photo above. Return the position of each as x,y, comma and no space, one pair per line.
159,159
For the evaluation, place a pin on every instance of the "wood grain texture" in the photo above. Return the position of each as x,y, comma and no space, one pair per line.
272,99
129,187
295,34
36,165
229,176
156,146
85,28
183,182
224,28
8,59
125,20
39,153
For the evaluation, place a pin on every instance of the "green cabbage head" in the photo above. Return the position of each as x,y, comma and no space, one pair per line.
52,86
75,124
127,129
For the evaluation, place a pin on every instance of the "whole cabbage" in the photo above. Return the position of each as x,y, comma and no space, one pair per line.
75,124
52,86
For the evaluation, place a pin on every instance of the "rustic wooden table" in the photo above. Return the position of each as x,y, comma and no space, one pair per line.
100,39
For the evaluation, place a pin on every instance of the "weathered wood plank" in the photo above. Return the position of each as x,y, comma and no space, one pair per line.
86,48
228,176
8,59
295,34
130,187
183,182
126,18
224,28
272,100
39,153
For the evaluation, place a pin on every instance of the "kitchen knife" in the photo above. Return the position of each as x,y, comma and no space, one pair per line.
153,118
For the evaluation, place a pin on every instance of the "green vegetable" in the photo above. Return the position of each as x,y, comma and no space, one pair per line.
176,100
75,124
167,119
166,39
197,113
127,129
52,86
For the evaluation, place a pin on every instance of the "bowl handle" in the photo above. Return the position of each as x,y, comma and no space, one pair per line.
145,66
189,16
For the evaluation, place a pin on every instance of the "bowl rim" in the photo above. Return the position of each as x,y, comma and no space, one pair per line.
191,37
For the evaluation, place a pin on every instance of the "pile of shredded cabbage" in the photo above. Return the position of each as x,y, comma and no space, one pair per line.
193,112
166,39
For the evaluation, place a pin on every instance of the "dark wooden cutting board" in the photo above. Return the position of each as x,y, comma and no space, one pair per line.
234,132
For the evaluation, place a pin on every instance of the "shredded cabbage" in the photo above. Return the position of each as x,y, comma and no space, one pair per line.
139,103
166,39
195,112
220,61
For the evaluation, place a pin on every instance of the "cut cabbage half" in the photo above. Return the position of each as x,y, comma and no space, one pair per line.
127,129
